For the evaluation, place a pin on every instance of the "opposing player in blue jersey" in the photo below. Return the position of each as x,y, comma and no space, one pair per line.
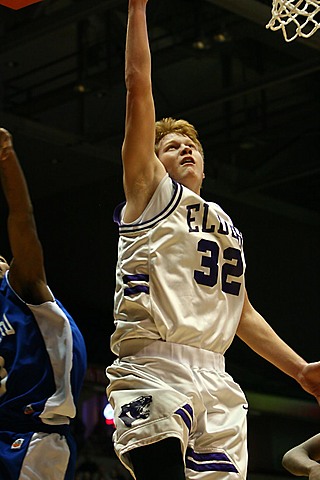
42,352
180,299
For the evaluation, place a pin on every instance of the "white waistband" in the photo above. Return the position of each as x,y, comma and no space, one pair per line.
183,354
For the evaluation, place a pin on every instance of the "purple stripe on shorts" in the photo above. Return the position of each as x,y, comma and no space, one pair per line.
185,413
189,409
209,462
214,456
210,467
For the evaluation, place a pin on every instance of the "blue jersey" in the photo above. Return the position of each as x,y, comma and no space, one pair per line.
43,360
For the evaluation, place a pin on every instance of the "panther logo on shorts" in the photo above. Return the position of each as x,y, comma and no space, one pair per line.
135,410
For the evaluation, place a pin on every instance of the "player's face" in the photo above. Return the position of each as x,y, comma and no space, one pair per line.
3,266
182,160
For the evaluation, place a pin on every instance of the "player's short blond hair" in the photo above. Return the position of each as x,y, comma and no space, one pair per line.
171,125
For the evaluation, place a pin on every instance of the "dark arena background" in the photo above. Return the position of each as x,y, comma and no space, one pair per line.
254,99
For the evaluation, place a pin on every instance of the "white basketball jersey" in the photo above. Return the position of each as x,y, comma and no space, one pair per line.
180,274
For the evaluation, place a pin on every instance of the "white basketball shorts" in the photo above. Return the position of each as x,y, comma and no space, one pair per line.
172,390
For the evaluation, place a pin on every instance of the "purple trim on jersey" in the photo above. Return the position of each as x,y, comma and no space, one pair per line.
135,290
186,413
117,212
138,277
135,227
209,462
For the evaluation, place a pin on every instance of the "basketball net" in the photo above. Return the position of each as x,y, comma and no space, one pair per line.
296,18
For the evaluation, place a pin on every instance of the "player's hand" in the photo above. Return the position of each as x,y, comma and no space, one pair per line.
5,143
309,379
3,376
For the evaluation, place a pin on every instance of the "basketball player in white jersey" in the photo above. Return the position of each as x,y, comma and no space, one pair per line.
180,299
303,459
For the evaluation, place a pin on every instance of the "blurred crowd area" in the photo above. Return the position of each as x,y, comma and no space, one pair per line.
96,457
93,434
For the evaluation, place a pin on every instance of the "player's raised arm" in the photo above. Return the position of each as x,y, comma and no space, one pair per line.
27,275
142,170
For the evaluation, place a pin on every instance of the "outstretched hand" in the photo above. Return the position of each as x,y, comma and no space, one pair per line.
309,379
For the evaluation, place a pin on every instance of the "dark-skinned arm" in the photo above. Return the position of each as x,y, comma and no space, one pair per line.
27,273
303,459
